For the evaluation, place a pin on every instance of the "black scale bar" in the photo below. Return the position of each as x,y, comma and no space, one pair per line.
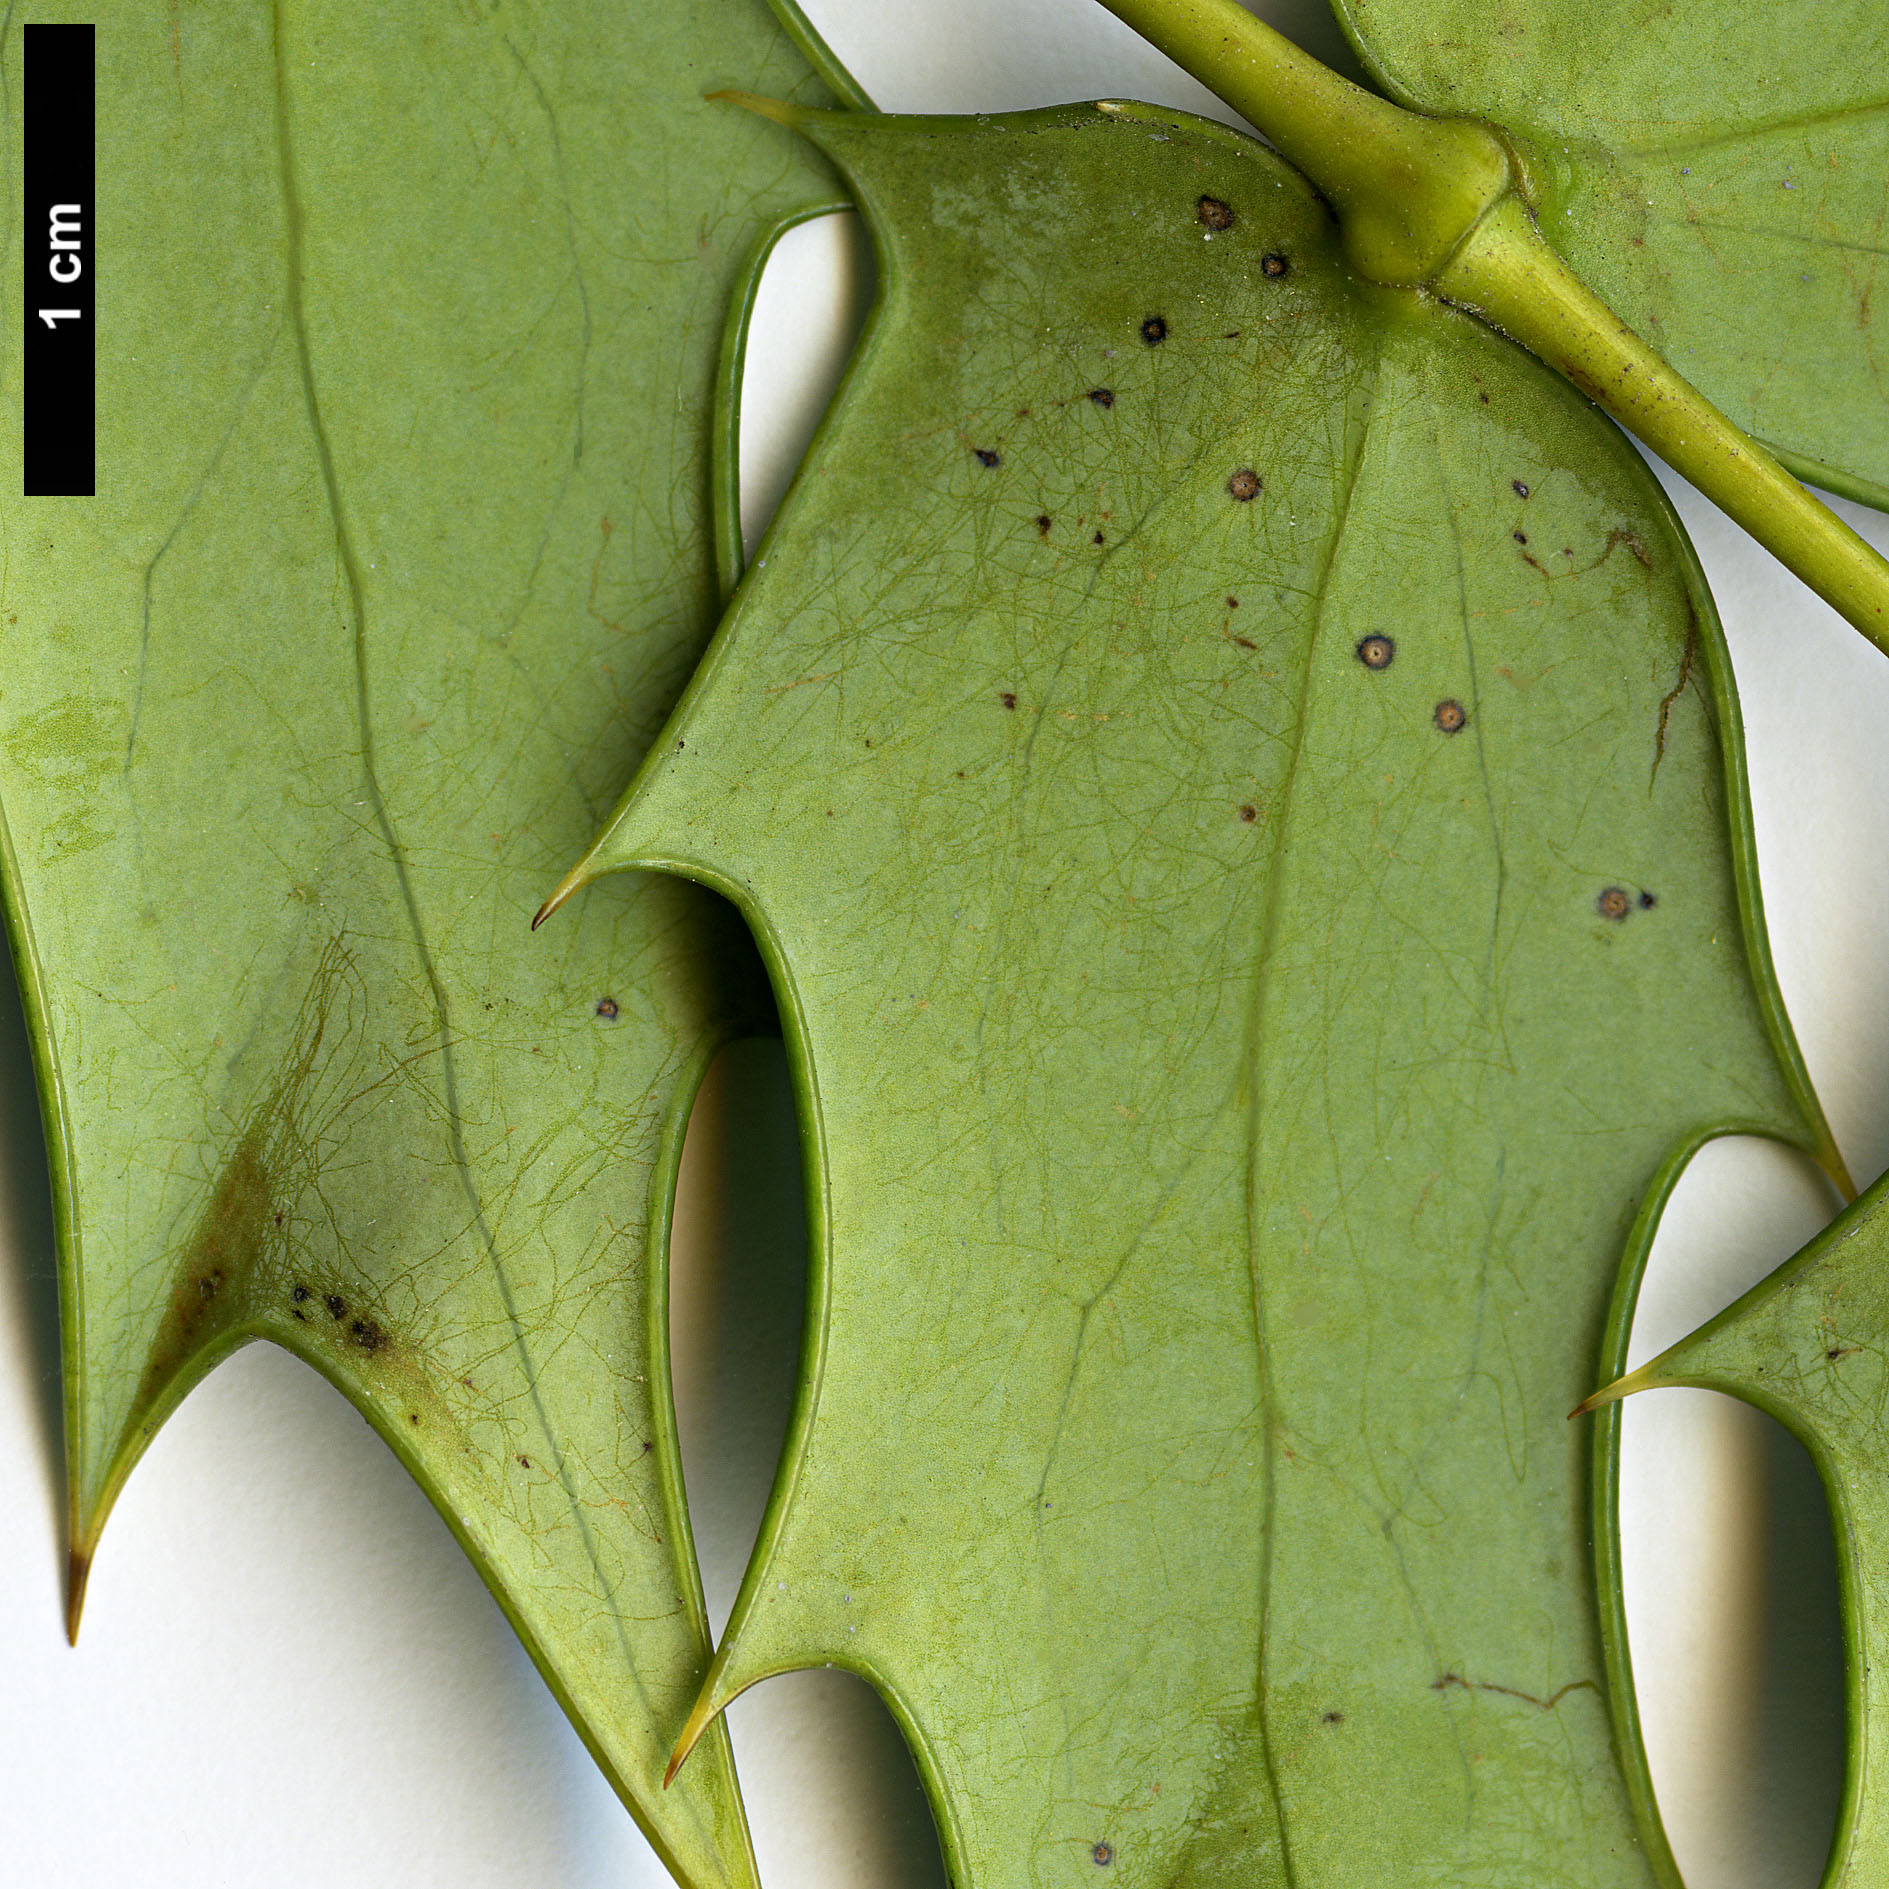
60,386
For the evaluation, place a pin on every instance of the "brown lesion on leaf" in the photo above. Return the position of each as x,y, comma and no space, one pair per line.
236,1224
1548,1704
243,1270
1620,535
1687,660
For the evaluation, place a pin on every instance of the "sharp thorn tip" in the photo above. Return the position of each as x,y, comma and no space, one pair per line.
78,1572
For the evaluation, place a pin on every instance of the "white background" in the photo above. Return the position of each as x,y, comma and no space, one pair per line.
289,1674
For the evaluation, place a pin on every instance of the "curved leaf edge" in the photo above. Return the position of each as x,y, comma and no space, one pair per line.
819,55
725,444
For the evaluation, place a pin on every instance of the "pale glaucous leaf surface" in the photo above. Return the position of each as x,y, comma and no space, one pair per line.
400,556
1718,174
1237,779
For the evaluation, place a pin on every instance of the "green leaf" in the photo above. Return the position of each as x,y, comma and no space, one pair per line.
409,322
1809,1344
1714,173
1236,776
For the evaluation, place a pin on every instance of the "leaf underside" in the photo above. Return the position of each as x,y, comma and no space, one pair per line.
400,556
1718,173
1236,777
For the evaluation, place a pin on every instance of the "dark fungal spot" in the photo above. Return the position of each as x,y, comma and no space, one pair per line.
1273,265
985,457
1154,331
1215,214
1450,717
413,1417
1043,522
524,1462
1104,397
1614,904
1520,537
1008,699
1103,1853
1098,539
1484,398
1647,901
1521,490
367,1334
1249,814
337,1305
1333,1718
299,1294
1246,642
608,1009
278,1216
1246,485
1233,603
1376,651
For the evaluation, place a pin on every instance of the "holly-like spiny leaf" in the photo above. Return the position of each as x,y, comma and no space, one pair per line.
1718,173
400,554
1236,776
1809,1344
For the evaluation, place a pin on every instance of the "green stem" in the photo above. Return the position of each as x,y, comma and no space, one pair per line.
1506,273
1436,204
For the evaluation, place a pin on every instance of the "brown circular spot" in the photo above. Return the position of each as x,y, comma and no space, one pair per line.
1215,214
1008,699
1274,265
608,1009
1103,1853
1521,489
1376,651
985,457
1450,717
1246,485
1647,901
1104,397
1249,814
1614,903
1154,331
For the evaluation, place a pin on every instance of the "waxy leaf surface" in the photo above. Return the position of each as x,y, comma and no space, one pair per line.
1810,1345
1237,781
1719,173
400,555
